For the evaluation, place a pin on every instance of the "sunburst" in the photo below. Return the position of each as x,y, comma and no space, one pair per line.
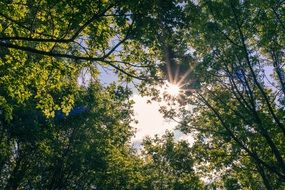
174,87
173,90
177,79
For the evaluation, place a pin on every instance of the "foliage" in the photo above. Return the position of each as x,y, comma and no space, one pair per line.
227,56
46,44
78,151
169,164
237,113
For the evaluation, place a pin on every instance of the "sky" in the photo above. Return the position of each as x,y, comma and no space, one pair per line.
150,120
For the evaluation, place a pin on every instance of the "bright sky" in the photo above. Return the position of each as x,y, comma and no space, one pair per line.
151,121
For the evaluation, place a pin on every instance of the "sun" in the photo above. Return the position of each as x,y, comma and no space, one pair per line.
173,89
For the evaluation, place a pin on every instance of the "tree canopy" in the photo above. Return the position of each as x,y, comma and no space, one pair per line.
237,112
225,56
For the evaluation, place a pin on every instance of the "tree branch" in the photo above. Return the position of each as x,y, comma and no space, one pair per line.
58,40
263,93
240,143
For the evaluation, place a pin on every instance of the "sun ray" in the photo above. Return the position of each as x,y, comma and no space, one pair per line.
168,68
181,80
176,74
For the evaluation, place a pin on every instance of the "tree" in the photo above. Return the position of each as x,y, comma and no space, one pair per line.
55,133
237,111
80,151
46,45
169,164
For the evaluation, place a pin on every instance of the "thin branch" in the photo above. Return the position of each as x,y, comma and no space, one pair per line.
58,40
263,93
74,57
278,18
237,140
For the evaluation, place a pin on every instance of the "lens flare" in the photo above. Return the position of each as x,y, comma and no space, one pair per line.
173,89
